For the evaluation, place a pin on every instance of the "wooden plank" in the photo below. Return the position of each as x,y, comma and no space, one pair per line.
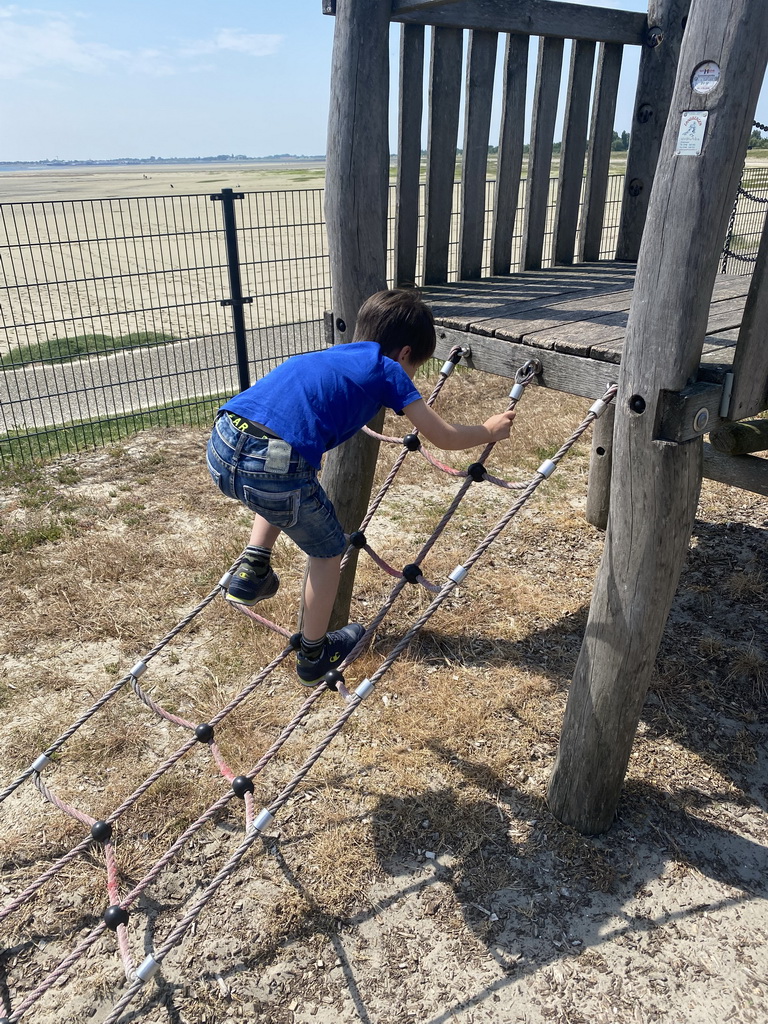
444,100
481,65
510,159
409,153
534,17
573,151
749,472
750,365
725,315
656,78
601,136
540,153
571,374
465,303
655,487
538,327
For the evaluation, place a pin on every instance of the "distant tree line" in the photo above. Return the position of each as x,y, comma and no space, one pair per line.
757,140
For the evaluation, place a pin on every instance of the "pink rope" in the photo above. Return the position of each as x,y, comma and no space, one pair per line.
157,708
262,622
382,437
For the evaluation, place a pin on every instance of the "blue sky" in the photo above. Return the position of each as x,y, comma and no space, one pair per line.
95,79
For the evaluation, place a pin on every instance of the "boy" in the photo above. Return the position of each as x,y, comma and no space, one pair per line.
268,441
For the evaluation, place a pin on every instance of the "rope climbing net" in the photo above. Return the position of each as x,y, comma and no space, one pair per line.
99,836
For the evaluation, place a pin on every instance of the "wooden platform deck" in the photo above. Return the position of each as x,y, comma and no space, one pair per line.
573,318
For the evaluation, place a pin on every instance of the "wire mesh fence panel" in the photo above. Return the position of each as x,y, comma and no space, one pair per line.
746,224
113,317
116,316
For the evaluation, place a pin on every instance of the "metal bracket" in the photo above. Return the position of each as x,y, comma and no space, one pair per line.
218,197
244,301
685,415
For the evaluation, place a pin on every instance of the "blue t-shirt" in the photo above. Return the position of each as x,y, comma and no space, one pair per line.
318,400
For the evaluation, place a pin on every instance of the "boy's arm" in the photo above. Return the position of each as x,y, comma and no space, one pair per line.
453,437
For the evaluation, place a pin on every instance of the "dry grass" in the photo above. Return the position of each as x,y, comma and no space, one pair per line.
450,756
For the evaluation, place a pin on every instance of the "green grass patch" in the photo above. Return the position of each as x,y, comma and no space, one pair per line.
20,448
81,346
32,537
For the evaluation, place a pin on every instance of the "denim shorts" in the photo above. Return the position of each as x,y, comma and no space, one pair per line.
271,479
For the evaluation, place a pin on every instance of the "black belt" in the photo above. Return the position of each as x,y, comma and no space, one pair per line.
254,429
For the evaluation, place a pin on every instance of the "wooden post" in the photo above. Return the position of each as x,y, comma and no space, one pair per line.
357,180
600,464
656,79
656,483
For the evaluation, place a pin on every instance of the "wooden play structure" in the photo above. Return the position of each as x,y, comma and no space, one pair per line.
687,347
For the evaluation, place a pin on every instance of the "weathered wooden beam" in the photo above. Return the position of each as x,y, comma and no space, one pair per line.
747,472
740,438
655,81
573,151
600,466
481,64
444,101
600,139
409,153
545,99
357,169
511,144
750,364
534,18
560,372
656,484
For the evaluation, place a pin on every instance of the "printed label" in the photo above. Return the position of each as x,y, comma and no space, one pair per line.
690,138
705,77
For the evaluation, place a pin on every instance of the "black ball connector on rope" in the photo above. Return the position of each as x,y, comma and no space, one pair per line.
477,472
357,539
332,678
204,732
412,442
242,785
101,831
412,572
114,916
295,642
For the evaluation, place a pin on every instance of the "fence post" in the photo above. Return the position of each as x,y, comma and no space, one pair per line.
236,299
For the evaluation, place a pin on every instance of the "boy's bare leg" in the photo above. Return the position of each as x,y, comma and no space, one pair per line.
263,534
319,596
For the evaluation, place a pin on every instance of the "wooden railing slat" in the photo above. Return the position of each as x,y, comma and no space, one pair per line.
409,152
540,154
481,64
573,151
600,138
510,156
444,101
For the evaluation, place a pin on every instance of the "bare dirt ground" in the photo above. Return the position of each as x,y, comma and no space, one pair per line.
416,875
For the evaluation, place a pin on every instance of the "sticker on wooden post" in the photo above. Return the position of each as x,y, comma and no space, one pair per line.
705,77
690,138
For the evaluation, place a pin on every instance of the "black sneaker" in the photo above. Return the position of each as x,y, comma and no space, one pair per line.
337,647
248,588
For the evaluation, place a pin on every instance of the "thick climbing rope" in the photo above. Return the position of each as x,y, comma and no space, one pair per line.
256,827
152,964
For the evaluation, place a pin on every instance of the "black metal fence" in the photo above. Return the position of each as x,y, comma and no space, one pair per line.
124,313
745,227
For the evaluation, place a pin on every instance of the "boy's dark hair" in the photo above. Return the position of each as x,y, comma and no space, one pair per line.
395,318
